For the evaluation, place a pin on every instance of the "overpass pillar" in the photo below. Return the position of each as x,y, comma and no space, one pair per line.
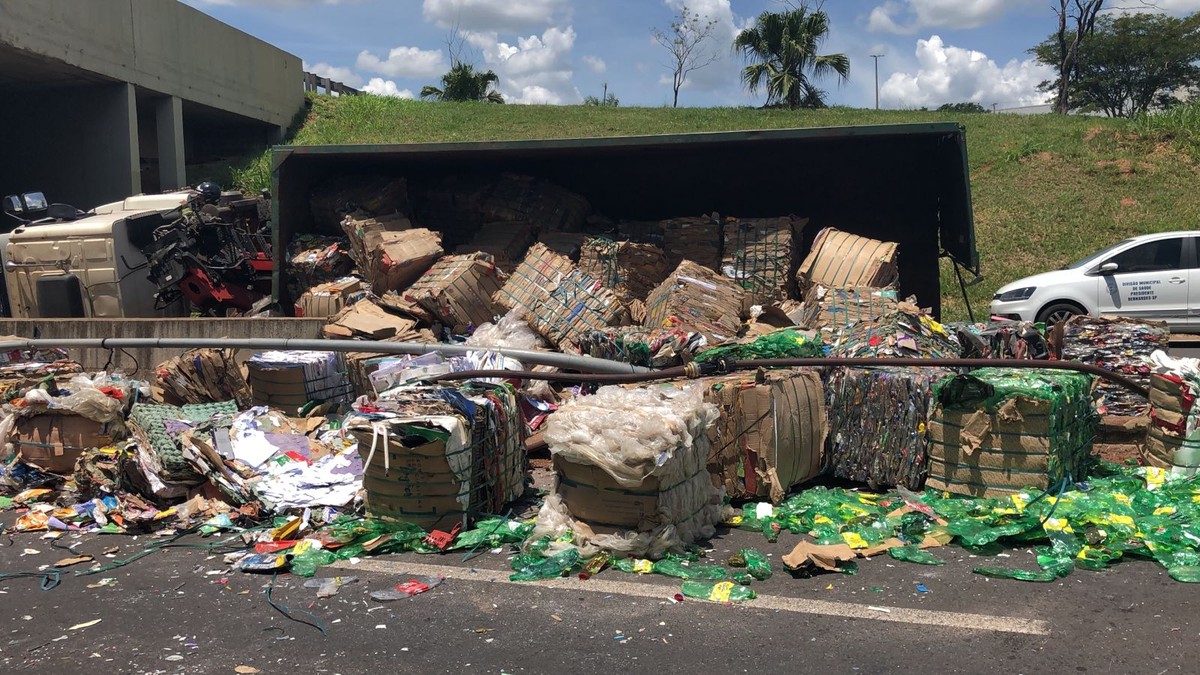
119,159
169,122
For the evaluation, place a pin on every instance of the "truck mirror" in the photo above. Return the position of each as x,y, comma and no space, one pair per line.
35,201
12,204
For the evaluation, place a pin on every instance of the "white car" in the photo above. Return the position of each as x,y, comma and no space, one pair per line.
1145,277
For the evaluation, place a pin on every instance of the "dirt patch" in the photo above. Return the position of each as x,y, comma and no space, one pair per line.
1123,166
983,171
1128,202
1165,152
1043,156
1116,453
1092,133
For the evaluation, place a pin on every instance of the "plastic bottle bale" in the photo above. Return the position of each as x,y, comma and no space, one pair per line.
631,270
458,291
631,470
697,299
760,255
770,433
695,238
999,431
877,423
1119,344
843,260
641,346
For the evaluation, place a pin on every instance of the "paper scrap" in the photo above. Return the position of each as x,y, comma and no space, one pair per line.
78,626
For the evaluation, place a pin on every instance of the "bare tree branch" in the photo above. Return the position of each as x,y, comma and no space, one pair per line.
685,41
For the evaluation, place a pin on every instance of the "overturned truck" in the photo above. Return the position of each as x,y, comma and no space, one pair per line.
689,194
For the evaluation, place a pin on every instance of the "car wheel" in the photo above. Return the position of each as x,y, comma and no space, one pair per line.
1058,312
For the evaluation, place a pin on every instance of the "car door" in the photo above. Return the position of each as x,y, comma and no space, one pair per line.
1151,281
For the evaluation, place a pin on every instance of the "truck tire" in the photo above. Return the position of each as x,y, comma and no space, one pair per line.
1057,312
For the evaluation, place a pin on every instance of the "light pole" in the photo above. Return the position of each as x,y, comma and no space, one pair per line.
877,57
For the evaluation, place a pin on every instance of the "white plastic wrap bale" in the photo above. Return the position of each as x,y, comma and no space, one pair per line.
631,470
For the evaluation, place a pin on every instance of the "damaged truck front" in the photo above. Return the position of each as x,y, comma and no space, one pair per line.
904,183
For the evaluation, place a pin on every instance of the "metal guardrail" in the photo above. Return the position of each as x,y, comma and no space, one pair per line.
315,83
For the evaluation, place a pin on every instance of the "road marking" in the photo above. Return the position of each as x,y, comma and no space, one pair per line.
921,617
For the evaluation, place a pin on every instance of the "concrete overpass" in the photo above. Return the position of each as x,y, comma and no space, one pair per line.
108,98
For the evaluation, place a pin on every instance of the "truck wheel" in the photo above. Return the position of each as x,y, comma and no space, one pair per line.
1058,312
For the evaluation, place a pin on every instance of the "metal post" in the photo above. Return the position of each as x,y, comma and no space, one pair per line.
877,57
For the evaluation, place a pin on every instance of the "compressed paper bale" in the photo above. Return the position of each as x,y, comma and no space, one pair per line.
506,242
529,281
999,431
201,376
697,239
631,270
697,299
389,254
458,291
372,195
877,423
842,260
532,200
759,254
837,308
563,243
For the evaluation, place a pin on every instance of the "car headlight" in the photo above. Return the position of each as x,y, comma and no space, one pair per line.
1017,294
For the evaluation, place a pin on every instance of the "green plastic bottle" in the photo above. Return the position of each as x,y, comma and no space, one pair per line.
914,554
717,591
756,563
548,568
679,570
1020,575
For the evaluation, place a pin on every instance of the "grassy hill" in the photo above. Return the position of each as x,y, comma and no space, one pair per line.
1046,189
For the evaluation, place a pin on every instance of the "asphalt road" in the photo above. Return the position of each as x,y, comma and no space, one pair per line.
181,611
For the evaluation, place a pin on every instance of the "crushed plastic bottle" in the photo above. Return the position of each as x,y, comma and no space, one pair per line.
680,570
305,564
718,591
1020,575
914,554
329,587
754,561
548,568
407,589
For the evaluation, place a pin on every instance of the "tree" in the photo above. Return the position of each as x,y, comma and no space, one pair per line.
462,83
964,107
608,99
1076,22
685,40
1130,64
781,51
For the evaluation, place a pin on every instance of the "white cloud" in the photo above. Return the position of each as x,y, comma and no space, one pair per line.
535,70
337,74
949,74
495,15
404,62
909,16
383,87
596,63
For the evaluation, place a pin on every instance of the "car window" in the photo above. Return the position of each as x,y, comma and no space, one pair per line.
1153,256
1085,262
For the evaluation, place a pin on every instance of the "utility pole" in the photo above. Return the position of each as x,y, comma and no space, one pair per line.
877,57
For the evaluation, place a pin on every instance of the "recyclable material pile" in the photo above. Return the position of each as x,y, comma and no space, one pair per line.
1118,344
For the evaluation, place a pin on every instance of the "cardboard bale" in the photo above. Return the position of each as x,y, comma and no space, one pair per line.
631,270
54,441
389,253
770,433
759,254
697,239
458,291
547,206
1000,431
592,495
833,309
201,376
329,298
444,458
566,244
290,380
506,242
697,299
528,283
842,260
372,195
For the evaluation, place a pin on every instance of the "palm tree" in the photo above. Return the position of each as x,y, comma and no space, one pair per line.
781,49
462,83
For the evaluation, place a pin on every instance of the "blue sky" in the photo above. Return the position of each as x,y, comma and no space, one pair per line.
558,51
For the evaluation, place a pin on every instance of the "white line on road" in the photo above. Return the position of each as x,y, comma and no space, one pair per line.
920,617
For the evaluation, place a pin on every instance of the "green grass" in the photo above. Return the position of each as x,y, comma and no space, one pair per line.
1046,189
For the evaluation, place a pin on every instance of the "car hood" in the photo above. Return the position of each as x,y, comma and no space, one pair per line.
1043,279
